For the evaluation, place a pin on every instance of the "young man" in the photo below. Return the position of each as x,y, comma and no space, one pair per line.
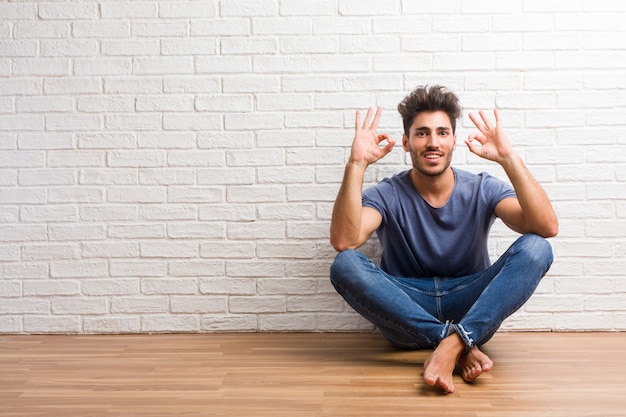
435,287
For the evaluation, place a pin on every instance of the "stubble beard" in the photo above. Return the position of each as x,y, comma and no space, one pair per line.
417,166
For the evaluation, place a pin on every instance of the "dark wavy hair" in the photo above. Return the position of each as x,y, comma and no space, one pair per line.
433,98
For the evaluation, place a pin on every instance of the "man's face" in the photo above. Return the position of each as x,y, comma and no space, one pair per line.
430,142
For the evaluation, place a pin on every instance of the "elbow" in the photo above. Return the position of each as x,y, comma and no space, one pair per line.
550,229
340,244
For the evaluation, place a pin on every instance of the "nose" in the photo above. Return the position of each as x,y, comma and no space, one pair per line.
432,141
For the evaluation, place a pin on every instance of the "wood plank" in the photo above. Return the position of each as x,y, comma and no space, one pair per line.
308,375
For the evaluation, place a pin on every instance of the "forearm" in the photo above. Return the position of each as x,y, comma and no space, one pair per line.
345,226
538,214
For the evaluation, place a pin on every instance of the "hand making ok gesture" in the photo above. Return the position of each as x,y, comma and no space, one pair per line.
366,147
494,144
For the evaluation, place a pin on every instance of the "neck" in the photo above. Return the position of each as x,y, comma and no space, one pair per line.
435,189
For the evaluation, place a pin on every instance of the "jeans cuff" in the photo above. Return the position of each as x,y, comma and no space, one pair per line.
465,336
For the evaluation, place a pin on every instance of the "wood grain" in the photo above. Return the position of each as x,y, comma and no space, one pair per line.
303,375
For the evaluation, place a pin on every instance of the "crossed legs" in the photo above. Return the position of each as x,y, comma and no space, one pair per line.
411,314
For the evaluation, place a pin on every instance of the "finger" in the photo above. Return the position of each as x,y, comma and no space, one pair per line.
479,125
383,137
357,120
476,137
374,124
389,146
472,147
367,118
486,120
496,113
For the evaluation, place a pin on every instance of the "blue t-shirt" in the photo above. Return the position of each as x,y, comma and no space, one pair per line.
419,240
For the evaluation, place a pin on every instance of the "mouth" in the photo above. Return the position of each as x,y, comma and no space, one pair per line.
432,156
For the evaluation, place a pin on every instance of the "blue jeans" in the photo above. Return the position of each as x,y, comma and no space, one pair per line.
418,313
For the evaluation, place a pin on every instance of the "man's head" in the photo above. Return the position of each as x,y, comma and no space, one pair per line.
425,98
429,115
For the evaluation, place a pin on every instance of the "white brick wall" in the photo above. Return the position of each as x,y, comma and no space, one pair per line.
170,166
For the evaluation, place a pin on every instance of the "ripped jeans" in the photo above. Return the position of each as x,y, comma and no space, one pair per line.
418,313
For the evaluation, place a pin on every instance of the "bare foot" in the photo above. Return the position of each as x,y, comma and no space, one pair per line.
473,364
439,367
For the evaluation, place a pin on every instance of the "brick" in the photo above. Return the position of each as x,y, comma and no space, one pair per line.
136,231
159,28
286,212
166,176
238,323
143,158
51,324
199,304
10,324
248,8
287,322
191,9
76,305
111,325
37,214
281,26
190,121
196,268
169,324
156,286
115,10
222,64
228,286
72,231
110,250
168,249
110,287
143,305
18,11
279,286
51,67
369,7
278,64
165,140
18,48
66,10
110,176
248,46
220,27
255,194
106,140
108,213
20,86
267,304
196,158
44,104
141,194
101,29
194,194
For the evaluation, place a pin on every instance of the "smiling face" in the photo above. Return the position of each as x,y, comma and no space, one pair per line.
431,142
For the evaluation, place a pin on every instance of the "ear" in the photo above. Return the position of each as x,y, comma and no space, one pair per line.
405,143
454,146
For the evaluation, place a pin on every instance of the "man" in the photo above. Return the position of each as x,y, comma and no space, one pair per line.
435,287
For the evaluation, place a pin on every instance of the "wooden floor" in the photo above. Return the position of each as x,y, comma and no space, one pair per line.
308,375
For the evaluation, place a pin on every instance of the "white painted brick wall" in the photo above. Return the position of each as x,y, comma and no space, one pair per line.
171,166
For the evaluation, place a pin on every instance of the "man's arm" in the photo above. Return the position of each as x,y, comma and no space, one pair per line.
532,211
351,223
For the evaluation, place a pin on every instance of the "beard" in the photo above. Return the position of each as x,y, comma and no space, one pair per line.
430,171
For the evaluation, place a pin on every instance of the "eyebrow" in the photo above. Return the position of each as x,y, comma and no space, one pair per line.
427,129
